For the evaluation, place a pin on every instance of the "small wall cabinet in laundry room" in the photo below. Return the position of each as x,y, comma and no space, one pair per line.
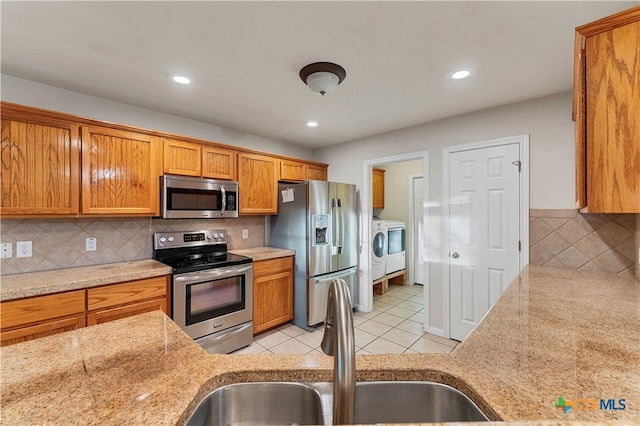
377,185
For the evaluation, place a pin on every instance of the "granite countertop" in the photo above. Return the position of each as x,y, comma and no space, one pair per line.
17,286
553,333
264,253
28,284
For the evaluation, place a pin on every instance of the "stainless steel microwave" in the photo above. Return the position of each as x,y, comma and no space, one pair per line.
194,198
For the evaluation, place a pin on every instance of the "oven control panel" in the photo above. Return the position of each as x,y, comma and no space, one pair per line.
189,239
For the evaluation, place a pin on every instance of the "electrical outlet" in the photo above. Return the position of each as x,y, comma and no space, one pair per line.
245,233
23,249
91,244
7,250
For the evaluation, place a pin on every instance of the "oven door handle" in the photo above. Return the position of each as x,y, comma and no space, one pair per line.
216,273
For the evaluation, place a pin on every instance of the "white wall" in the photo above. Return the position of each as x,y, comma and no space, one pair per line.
397,190
548,122
25,92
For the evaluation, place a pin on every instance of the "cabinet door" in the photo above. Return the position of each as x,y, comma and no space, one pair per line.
272,293
30,318
315,172
378,188
258,184
40,166
218,163
613,120
182,158
120,172
292,170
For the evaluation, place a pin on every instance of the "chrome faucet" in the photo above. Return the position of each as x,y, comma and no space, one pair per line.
339,341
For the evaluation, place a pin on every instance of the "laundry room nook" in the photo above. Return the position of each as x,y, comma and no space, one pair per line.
388,236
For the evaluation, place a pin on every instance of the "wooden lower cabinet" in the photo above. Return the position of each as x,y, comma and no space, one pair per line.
272,293
40,316
112,314
34,317
115,301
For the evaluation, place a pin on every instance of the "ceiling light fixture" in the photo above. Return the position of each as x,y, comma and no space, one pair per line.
179,78
312,124
322,77
459,74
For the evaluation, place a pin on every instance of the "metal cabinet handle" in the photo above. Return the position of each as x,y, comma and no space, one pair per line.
455,255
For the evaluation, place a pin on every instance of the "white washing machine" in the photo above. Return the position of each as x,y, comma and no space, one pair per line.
378,249
395,242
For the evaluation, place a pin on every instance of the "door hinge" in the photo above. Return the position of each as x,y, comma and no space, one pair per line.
519,245
519,164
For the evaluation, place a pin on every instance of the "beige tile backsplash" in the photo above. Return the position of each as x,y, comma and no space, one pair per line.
558,238
587,242
60,243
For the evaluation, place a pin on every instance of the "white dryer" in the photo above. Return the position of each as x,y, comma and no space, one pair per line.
395,242
378,249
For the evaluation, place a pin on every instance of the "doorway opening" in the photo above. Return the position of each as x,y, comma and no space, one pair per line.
401,177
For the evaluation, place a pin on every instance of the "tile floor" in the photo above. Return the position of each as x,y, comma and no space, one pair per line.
394,326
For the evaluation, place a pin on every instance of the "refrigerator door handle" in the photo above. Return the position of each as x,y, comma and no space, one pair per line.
330,277
340,226
334,224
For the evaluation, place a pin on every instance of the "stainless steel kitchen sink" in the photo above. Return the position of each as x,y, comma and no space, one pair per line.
277,403
413,402
282,403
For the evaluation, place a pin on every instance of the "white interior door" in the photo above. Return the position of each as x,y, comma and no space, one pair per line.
418,230
484,231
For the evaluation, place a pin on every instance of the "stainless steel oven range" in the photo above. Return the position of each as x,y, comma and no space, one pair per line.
212,297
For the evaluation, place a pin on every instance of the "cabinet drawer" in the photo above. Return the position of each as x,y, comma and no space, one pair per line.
48,328
272,266
120,294
42,308
112,314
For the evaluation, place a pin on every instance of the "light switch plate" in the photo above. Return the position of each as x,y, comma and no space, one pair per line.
245,233
7,250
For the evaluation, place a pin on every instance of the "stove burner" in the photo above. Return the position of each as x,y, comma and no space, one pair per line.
187,255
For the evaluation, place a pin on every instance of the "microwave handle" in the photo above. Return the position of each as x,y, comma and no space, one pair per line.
224,199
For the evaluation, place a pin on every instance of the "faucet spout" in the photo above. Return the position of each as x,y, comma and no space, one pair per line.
339,341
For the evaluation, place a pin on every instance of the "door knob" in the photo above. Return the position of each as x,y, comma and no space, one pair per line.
455,255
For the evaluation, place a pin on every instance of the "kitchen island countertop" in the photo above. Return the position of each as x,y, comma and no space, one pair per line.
554,333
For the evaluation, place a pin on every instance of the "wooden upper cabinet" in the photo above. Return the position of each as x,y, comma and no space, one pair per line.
315,172
40,165
607,114
377,185
258,183
182,158
292,170
218,163
299,171
120,172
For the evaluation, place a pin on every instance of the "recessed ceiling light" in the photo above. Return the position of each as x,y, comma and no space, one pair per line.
312,124
179,78
459,74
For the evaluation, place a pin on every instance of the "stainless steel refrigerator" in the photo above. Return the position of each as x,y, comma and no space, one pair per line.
318,220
